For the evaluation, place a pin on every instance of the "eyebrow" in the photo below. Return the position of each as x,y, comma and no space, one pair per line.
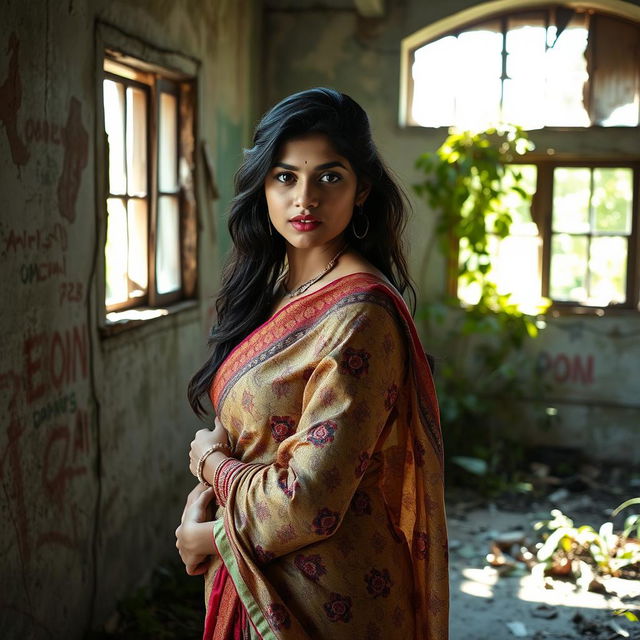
320,167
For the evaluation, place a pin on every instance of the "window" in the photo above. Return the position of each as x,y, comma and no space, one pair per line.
554,66
150,250
570,76
590,231
577,244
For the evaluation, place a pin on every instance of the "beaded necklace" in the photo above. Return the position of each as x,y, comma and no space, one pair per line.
305,285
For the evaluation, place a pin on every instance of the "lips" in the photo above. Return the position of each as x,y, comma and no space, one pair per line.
304,223
304,218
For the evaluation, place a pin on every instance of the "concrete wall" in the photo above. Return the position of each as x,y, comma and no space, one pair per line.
311,44
94,430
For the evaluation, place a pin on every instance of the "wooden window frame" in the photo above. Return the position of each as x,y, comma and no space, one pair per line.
541,214
542,209
148,89
154,80
501,11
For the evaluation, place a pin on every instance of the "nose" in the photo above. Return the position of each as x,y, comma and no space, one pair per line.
306,196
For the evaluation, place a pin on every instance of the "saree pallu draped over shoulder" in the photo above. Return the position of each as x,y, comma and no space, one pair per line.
333,524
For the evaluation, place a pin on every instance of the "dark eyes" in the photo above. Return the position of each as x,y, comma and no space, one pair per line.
329,177
285,178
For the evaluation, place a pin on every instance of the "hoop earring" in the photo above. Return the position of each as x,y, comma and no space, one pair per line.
360,214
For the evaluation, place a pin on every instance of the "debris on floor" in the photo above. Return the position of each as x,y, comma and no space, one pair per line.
554,563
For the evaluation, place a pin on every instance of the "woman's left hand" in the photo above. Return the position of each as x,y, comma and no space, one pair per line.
193,537
203,439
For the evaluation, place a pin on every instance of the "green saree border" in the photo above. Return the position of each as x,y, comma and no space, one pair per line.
258,619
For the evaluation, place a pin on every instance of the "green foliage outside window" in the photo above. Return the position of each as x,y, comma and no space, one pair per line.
484,371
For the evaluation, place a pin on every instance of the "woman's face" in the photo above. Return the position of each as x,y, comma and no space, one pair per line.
311,191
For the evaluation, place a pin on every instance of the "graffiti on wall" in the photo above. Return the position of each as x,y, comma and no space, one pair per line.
564,368
72,136
45,443
42,406
10,102
76,152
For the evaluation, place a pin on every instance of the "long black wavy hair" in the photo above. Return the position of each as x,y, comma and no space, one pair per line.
257,259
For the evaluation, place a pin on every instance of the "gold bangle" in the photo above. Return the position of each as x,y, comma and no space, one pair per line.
205,455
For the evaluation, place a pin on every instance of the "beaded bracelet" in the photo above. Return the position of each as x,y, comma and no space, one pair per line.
205,455
225,473
216,485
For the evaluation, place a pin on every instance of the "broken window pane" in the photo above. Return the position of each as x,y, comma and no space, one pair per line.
136,141
168,249
117,288
566,75
114,111
477,77
524,88
563,68
168,152
457,79
615,72
433,67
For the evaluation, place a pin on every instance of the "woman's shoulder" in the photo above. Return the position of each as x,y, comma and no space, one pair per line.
364,298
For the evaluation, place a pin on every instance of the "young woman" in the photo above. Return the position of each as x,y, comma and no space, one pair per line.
325,462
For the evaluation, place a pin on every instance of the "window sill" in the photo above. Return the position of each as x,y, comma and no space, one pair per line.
118,322
556,311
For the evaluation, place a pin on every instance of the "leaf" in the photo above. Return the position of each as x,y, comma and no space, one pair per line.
477,466
631,522
552,543
629,615
624,505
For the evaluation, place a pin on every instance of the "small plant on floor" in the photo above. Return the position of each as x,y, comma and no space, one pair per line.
632,522
467,182
565,545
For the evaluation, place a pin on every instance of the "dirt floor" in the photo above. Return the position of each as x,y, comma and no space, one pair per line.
513,600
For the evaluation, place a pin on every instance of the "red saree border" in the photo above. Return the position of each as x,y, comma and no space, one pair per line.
288,320
292,318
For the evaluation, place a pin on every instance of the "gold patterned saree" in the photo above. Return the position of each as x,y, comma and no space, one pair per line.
333,524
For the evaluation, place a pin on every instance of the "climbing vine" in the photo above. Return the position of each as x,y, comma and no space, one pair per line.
484,371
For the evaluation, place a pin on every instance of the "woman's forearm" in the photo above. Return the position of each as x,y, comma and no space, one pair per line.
201,538
211,464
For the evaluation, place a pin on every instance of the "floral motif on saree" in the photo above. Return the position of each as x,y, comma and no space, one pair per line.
333,523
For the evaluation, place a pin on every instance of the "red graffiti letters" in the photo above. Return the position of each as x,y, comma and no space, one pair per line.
44,131
564,368
39,240
71,292
54,360
60,456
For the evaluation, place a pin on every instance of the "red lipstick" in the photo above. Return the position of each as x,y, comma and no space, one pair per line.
304,222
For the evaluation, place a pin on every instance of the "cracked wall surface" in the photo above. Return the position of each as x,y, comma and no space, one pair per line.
95,430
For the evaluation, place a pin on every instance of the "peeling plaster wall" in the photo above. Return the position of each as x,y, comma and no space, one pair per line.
327,43
94,431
